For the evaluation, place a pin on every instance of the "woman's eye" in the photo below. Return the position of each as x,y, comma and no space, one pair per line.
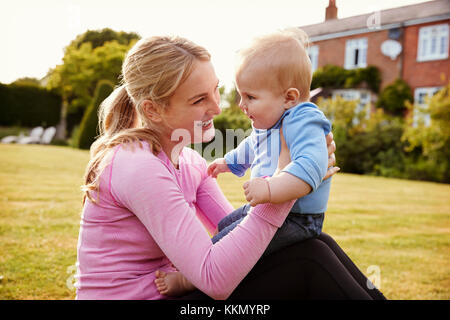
199,100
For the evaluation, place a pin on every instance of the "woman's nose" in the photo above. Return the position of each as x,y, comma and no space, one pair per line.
215,106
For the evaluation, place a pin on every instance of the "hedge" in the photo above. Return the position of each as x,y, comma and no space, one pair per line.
88,127
29,106
331,76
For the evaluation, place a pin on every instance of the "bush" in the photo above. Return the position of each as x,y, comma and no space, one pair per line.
29,106
232,118
74,137
374,149
363,145
394,96
329,76
88,127
431,141
388,146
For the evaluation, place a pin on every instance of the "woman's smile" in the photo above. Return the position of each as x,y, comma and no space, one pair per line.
207,124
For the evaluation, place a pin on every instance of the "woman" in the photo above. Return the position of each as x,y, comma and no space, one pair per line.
148,199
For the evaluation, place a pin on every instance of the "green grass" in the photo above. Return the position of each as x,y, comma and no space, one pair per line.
400,226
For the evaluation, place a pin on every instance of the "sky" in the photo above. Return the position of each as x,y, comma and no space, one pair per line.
34,33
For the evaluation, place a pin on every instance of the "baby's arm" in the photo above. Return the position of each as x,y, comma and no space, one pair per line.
237,161
217,167
277,189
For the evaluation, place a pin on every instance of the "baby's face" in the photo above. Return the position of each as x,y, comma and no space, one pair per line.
262,104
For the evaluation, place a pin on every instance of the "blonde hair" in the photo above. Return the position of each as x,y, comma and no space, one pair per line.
280,59
152,70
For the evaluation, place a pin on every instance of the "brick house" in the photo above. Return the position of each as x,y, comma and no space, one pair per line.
410,42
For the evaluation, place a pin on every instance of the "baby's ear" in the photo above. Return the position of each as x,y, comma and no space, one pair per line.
291,97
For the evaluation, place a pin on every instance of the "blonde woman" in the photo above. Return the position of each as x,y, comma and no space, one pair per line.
148,198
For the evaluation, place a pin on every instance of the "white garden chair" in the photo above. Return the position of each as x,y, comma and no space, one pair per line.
34,137
48,135
13,139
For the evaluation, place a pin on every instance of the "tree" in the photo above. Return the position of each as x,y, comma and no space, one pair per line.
98,38
92,56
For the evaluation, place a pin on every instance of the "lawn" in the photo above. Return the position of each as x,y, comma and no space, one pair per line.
397,231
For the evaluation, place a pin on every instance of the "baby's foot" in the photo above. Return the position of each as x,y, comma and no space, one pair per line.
172,284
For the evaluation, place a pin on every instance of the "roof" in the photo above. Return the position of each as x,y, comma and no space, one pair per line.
408,15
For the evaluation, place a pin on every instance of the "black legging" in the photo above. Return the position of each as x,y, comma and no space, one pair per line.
313,269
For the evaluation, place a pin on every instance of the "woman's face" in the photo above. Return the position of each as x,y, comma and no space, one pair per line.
194,104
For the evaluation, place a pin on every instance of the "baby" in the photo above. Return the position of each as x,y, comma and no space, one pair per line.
273,78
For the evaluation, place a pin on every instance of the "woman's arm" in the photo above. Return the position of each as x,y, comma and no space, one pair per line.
148,189
212,202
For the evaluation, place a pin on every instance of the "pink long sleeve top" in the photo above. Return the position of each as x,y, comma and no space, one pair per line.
150,216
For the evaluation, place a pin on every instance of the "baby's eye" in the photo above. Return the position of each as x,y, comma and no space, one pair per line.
250,97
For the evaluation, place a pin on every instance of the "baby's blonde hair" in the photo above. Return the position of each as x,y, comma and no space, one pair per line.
281,61
152,70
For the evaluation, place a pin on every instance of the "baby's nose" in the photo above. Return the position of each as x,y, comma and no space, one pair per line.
242,106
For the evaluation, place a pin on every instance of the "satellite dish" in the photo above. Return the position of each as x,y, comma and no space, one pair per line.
391,48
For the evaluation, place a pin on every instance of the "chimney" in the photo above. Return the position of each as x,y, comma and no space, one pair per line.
331,12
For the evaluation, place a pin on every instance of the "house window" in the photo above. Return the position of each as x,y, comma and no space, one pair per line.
420,99
362,96
433,43
356,53
313,53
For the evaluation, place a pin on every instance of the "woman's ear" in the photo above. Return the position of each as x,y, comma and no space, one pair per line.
151,111
291,97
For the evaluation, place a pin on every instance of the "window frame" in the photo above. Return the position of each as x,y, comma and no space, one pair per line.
356,94
425,39
351,45
313,53
429,92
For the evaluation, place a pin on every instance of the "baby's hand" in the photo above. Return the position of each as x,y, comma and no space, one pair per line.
257,191
217,166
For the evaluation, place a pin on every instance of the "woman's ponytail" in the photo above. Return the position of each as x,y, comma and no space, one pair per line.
117,112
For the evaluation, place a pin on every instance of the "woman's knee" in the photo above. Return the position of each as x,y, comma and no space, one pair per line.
326,238
310,249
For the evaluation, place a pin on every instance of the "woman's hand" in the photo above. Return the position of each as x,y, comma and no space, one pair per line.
331,146
285,157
